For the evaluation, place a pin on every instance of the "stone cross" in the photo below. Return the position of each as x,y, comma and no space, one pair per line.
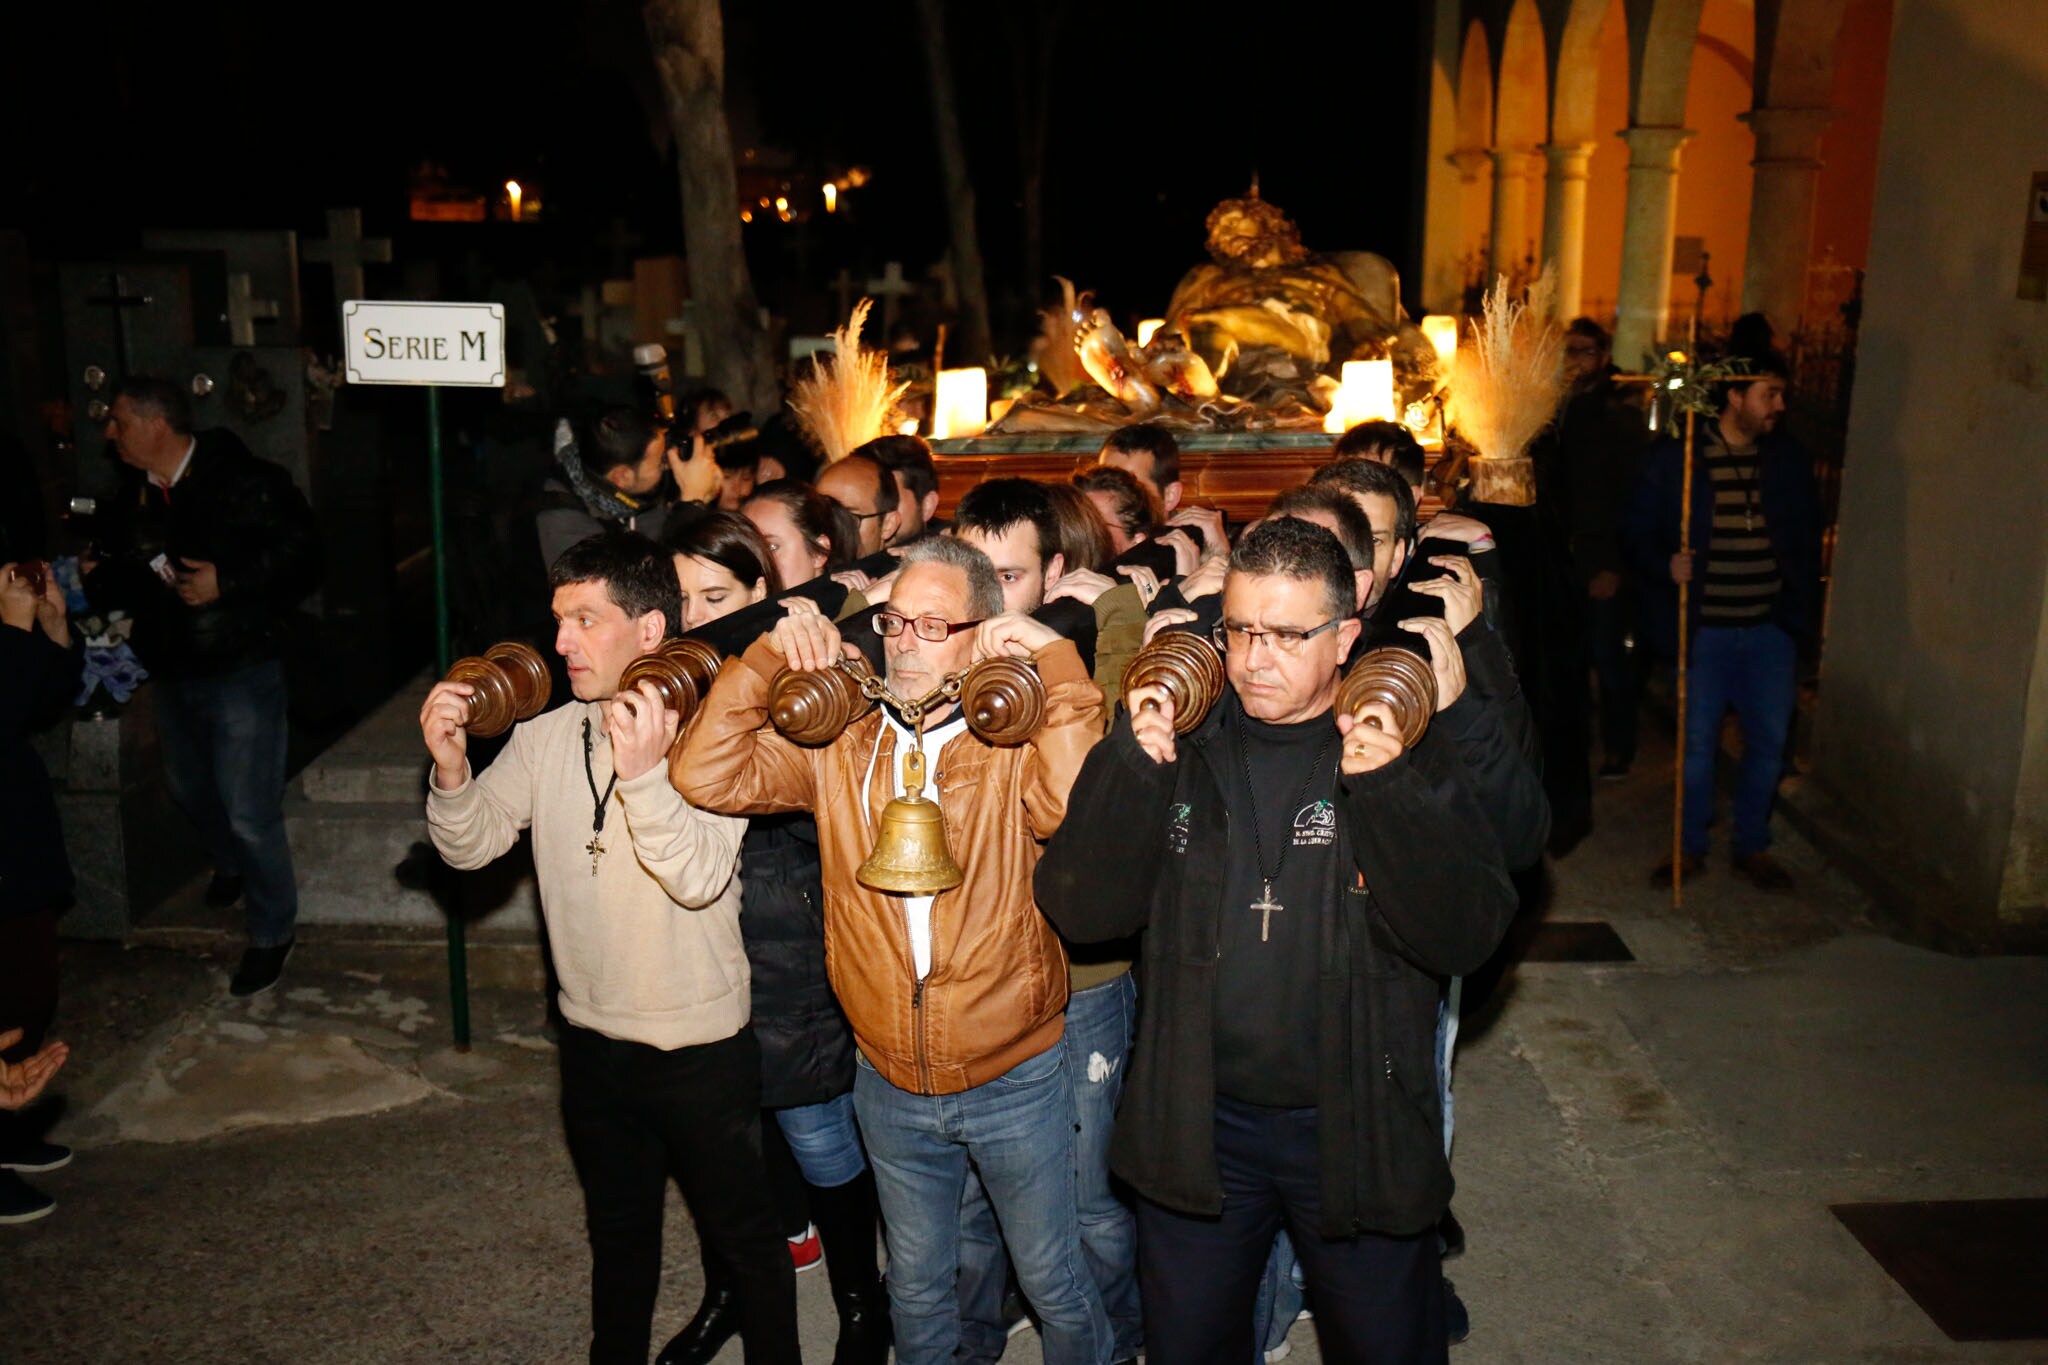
588,310
244,312
889,288
347,251
119,302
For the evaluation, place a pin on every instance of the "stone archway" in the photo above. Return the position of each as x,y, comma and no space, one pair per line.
1473,157
1521,119
1796,42
1575,90
1661,34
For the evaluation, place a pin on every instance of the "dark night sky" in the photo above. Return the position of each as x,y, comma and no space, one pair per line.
262,115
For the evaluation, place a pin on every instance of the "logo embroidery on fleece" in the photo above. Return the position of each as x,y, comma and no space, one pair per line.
1315,825
1179,816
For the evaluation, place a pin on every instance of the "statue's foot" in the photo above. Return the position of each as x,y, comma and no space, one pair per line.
1108,360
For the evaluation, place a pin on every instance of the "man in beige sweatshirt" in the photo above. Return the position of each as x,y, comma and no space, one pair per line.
660,1071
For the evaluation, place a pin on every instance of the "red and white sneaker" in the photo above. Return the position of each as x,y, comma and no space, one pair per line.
806,1251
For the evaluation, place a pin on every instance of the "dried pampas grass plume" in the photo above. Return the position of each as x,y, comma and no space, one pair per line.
845,399
1505,388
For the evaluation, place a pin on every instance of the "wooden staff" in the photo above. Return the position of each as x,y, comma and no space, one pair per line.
1678,768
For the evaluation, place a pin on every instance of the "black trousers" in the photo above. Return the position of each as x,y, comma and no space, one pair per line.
1377,1300
635,1116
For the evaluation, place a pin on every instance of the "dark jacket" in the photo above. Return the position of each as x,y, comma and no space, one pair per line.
564,518
1145,846
1596,445
806,1044
38,680
243,514
1791,512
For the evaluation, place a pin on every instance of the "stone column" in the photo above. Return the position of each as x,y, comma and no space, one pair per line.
1646,231
1472,163
1781,211
1564,221
1510,232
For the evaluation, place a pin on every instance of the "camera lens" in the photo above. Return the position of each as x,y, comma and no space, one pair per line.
84,507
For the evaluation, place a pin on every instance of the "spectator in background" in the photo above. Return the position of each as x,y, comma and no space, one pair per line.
611,470
39,676
909,461
1388,443
239,550
1755,575
1598,442
1083,535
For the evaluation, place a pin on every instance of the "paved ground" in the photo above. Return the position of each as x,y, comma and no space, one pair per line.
1645,1156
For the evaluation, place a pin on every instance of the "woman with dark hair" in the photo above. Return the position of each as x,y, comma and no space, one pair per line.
724,563
1084,535
806,532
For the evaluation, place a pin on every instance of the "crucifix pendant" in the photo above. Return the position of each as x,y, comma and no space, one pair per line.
595,848
1266,905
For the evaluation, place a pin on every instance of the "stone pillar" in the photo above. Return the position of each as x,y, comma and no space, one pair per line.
1646,232
1472,163
1564,221
1510,232
1781,211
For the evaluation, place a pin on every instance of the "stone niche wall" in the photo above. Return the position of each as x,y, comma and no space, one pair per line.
1933,727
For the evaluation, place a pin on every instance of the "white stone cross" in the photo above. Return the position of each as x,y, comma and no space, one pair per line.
889,288
842,285
244,312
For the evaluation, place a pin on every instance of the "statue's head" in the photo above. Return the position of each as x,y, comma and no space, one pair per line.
1251,234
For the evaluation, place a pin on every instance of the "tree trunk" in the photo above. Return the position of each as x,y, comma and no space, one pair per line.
1031,64
972,344
687,38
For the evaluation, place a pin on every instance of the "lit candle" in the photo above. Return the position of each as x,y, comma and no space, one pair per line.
960,403
1147,327
1442,331
831,197
1365,394
512,195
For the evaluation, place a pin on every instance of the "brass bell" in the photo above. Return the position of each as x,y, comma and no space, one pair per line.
1400,678
1187,666
509,683
910,855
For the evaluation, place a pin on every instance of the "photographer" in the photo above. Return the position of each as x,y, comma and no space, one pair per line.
210,548
39,669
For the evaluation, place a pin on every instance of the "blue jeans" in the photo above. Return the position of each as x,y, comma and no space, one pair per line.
1098,1040
1017,1131
1280,1299
1753,669
224,759
823,1139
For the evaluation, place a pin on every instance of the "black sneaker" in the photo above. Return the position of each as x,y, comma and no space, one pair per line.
21,1202
1457,1322
223,891
37,1156
260,969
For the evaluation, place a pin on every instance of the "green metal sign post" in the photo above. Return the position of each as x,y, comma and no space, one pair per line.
444,652
432,345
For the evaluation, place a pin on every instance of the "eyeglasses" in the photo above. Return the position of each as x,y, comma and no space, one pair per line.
889,625
1281,641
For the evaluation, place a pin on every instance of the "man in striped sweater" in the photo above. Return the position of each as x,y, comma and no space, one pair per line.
1754,567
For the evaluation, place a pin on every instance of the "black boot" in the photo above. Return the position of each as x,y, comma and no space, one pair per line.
846,1219
717,1322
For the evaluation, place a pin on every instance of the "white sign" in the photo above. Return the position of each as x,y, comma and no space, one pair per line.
461,345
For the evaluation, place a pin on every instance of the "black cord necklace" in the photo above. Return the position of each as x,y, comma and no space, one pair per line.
1265,904
595,848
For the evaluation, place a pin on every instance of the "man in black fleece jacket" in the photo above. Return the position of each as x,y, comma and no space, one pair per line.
1306,883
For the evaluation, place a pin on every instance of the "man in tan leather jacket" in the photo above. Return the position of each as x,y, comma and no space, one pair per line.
956,1000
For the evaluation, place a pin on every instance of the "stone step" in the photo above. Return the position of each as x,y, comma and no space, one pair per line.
348,857
380,761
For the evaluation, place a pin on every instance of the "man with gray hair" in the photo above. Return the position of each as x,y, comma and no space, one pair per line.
957,999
